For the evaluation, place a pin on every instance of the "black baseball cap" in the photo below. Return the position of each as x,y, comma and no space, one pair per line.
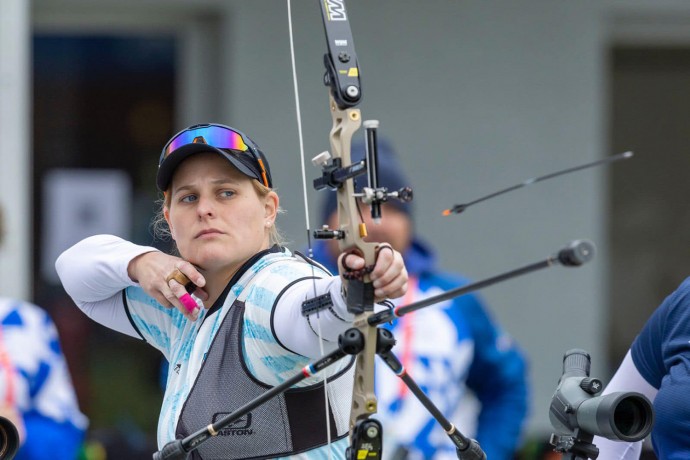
228,142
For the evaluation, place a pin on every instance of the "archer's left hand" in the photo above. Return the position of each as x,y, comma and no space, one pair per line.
389,275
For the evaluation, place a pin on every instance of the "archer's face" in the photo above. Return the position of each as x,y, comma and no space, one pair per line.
216,217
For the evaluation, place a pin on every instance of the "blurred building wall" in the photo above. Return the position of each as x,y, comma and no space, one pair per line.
476,95
15,148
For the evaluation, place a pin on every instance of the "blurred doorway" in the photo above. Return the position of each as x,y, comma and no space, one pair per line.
103,106
112,81
649,233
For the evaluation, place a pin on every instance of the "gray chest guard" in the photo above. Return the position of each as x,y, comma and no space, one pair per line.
288,424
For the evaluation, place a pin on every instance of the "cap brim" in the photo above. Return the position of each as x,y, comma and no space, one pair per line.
172,161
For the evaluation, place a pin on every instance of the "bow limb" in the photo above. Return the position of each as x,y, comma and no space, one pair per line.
359,293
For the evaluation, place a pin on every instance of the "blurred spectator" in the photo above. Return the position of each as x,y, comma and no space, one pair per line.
454,350
35,387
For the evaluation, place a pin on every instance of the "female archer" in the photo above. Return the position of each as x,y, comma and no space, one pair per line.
241,331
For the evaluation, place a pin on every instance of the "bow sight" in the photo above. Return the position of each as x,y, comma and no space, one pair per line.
333,175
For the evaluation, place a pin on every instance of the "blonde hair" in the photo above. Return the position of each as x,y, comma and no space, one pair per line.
161,230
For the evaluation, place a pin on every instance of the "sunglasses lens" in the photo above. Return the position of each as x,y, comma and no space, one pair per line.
215,136
219,137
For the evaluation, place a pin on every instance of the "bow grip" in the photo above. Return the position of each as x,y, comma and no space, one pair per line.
357,285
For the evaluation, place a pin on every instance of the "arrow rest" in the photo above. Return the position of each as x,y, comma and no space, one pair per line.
333,174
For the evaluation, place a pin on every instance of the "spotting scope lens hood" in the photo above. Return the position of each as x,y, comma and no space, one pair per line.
622,416
9,439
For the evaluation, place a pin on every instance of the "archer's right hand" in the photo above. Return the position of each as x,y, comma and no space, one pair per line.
152,270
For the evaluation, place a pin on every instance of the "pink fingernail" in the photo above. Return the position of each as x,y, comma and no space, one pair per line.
188,302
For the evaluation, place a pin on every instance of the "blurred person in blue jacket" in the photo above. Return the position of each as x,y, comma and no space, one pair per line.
470,368
36,392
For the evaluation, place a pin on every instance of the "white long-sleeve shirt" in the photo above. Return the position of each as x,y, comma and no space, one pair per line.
627,378
282,341
94,273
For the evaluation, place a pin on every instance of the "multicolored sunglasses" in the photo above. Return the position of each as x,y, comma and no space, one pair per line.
219,136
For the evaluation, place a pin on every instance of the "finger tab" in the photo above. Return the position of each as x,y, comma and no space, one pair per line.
188,302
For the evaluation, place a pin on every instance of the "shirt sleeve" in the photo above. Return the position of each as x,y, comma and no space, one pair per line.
626,378
300,334
94,272
166,329
278,340
662,335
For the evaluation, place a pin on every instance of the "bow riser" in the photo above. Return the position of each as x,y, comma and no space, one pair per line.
359,293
